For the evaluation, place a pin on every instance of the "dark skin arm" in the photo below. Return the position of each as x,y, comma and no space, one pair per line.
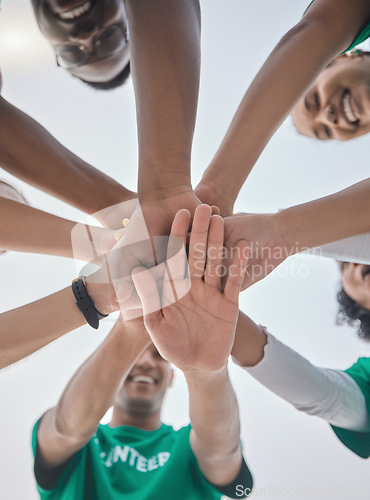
47,165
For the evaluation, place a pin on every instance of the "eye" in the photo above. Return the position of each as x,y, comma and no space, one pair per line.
327,132
316,100
343,265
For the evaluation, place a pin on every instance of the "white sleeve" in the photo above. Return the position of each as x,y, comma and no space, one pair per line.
330,394
355,249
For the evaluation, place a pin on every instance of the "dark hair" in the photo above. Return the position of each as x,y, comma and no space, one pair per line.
353,314
112,84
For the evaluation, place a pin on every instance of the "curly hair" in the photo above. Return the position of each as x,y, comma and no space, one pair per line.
353,314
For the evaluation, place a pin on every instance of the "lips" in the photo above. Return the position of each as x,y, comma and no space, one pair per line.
142,379
349,112
75,12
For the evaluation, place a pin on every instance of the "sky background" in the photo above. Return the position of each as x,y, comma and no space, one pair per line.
291,455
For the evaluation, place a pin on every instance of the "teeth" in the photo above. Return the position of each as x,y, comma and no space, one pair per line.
76,12
142,378
347,108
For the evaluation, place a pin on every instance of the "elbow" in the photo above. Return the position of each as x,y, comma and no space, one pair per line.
68,427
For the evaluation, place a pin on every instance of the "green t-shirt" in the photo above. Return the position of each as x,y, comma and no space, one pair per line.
358,442
132,464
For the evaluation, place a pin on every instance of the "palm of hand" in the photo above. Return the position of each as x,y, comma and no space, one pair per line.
195,330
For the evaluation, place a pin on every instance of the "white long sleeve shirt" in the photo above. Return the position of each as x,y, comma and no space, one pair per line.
329,394
355,249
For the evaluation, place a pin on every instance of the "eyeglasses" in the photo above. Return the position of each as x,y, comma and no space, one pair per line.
107,41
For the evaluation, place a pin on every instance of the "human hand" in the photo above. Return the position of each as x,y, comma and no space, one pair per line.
212,196
267,247
195,332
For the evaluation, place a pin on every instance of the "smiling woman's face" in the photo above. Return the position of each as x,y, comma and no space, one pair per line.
337,106
356,282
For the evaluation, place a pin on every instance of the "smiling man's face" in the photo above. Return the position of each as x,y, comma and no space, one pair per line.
142,392
337,106
89,37
356,282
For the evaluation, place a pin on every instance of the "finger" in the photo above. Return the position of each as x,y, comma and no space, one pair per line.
237,272
147,290
215,210
214,266
198,241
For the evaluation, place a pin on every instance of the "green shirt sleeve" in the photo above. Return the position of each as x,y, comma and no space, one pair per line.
50,482
358,442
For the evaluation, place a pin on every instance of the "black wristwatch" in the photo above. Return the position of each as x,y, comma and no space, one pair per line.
85,303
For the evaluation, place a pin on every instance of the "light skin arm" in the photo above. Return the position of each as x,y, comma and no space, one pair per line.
325,31
27,229
196,334
28,328
47,165
66,428
275,237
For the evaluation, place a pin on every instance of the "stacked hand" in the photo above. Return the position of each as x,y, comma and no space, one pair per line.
195,330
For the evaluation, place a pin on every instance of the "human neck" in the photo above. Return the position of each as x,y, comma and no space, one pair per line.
146,423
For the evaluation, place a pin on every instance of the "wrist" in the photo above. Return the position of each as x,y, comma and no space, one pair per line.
213,194
282,233
162,186
130,337
103,295
200,376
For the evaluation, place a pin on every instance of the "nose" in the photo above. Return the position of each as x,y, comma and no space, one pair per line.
85,35
328,115
146,360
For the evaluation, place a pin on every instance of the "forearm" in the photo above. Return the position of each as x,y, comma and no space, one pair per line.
92,390
214,416
27,229
44,163
341,215
292,67
28,328
165,65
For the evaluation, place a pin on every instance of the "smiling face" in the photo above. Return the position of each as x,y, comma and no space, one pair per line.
337,106
356,282
88,36
142,392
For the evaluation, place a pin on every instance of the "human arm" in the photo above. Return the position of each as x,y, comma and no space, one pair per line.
47,165
165,47
329,394
165,67
327,29
26,329
27,229
196,333
66,428
275,237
